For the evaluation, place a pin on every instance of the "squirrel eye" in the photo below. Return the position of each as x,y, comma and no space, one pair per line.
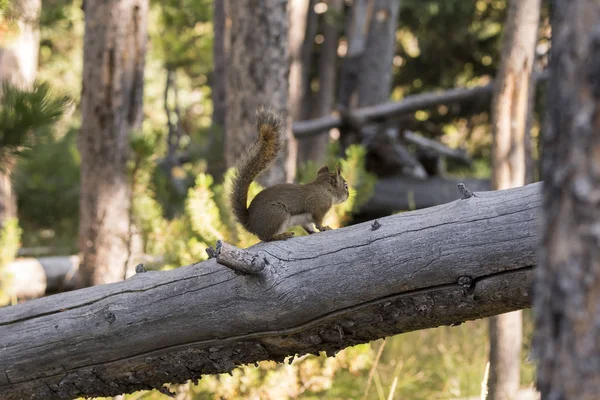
345,186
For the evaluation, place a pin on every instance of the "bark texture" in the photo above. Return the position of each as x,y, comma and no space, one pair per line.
257,75
567,291
463,260
510,104
111,107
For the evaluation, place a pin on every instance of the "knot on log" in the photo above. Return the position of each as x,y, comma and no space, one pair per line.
466,284
241,261
108,316
375,225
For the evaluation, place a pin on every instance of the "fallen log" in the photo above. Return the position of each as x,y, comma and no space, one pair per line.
396,194
391,109
35,277
437,147
468,259
409,104
32,278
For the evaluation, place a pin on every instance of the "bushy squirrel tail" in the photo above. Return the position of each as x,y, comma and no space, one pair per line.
259,156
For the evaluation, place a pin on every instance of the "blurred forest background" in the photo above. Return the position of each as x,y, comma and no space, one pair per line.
177,159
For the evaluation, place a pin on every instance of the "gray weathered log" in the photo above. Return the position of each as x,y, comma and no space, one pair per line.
387,110
400,194
32,278
409,104
459,261
437,147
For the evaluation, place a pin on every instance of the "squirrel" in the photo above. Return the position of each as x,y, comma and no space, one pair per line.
280,207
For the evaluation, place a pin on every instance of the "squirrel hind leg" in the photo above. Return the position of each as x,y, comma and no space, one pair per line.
309,228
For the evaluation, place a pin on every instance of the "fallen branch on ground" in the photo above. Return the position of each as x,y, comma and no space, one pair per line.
395,194
409,104
468,259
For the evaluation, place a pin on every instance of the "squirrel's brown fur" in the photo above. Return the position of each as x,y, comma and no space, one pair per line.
277,208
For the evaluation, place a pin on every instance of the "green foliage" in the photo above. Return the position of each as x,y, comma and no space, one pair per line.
27,117
10,238
431,58
184,34
47,186
61,45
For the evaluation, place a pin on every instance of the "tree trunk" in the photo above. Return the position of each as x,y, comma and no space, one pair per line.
221,28
312,24
18,65
8,198
257,75
357,28
567,286
375,77
299,14
509,120
315,148
297,35
464,260
111,107
19,55
221,44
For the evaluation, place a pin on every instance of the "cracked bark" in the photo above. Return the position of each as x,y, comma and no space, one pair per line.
463,260
111,108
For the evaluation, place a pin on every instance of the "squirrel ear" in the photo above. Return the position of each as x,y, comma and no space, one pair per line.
338,169
324,170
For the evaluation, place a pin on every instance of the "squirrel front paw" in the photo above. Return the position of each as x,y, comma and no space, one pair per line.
323,228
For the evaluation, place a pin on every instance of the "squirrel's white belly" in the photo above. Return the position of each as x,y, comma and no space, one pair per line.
294,220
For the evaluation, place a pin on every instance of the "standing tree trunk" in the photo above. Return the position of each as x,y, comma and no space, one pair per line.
509,121
375,77
298,14
297,35
111,107
366,74
221,27
18,66
357,28
567,285
315,147
257,75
